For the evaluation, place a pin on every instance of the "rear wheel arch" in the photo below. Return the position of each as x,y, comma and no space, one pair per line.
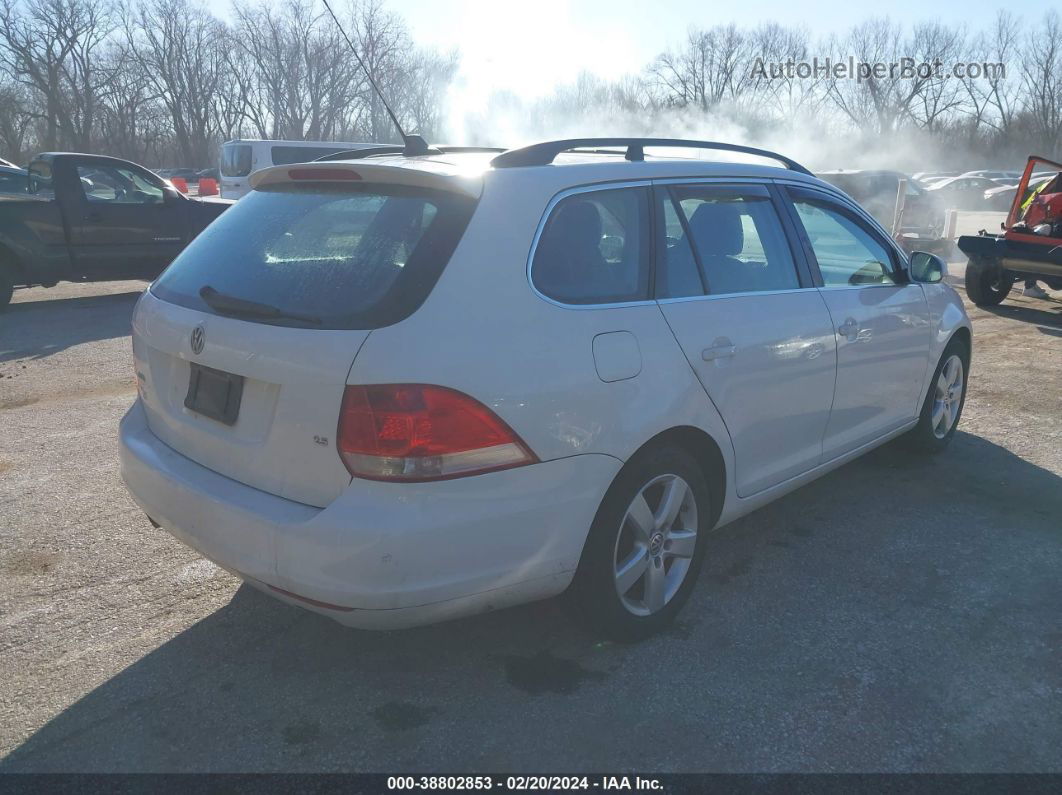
705,450
610,571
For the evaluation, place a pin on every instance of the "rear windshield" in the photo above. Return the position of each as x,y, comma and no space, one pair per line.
236,160
346,257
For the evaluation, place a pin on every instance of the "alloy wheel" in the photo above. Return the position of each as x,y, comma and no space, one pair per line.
655,544
947,396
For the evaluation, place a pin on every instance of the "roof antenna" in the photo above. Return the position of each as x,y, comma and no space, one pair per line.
415,145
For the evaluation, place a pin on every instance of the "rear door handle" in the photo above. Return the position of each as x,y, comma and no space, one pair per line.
721,349
93,218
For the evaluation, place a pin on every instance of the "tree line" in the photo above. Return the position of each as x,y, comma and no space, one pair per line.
164,81
709,86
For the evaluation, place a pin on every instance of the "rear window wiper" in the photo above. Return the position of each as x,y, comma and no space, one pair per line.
232,305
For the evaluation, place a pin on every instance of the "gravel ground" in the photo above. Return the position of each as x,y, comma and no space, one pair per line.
897,615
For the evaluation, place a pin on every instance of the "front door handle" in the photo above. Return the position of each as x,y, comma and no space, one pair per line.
93,218
722,348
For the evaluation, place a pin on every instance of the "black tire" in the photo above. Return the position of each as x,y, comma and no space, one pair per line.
7,285
594,593
987,283
924,437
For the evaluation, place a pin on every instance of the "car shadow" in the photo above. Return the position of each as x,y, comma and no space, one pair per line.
37,329
857,623
1048,313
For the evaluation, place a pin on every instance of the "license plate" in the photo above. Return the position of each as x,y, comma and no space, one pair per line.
214,394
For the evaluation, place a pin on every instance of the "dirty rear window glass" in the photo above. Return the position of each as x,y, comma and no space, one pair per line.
359,257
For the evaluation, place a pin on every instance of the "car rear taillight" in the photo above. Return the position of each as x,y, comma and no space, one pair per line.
416,432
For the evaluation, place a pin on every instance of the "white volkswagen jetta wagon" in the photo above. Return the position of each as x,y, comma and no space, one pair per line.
397,389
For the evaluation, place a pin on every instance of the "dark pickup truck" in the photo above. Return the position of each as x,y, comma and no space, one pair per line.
89,217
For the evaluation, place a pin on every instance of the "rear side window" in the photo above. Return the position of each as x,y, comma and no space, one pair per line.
323,256
235,160
735,236
594,248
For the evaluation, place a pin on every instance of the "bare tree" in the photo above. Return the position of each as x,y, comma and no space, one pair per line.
992,94
1041,68
301,71
15,118
788,93
179,46
713,66
936,98
52,46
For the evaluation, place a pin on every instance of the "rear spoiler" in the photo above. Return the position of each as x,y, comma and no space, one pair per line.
425,174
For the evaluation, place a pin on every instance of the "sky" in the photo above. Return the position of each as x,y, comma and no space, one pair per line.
529,46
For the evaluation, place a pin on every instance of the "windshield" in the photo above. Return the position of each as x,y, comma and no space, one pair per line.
236,160
359,257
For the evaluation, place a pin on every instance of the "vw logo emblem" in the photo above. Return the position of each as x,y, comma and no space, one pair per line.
656,544
198,340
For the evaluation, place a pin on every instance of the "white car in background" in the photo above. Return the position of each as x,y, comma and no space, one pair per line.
1013,176
400,389
242,157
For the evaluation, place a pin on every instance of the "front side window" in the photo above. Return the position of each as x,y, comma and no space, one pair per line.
847,252
594,248
112,185
737,238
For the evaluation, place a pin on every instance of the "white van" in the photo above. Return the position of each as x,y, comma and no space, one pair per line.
239,158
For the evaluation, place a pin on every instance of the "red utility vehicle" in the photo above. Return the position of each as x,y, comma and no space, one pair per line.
1030,246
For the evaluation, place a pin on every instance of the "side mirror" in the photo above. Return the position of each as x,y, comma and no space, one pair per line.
927,268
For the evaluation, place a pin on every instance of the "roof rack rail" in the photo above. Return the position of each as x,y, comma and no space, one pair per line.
543,154
384,149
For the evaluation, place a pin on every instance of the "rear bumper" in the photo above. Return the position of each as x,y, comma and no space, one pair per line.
382,555
1022,257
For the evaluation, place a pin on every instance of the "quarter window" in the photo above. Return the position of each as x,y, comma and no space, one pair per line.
594,248
737,238
677,274
848,254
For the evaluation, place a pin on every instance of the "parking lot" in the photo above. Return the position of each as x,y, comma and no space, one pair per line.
900,614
